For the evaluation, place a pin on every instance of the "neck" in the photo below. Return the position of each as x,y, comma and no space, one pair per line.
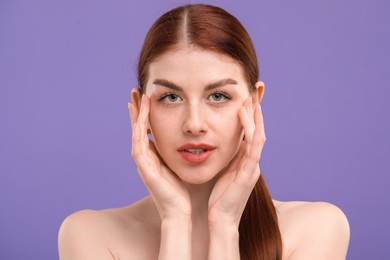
199,196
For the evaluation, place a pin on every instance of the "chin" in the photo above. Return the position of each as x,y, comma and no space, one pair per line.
197,176
197,181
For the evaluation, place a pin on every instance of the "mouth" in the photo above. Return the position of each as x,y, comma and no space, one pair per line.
196,153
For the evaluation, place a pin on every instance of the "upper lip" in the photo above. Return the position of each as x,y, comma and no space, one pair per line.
196,146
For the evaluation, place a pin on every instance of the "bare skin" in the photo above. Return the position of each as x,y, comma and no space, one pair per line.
133,232
196,97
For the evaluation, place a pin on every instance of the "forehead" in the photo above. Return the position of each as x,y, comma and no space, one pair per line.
192,65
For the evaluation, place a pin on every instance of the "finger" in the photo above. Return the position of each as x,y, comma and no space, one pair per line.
135,109
234,163
137,148
132,113
258,135
135,142
259,121
139,153
249,107
140,140
153,148
247,123
143,120
250,170
135,133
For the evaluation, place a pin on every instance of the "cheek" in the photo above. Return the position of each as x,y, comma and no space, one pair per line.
162,125
156,120
229,135
228,124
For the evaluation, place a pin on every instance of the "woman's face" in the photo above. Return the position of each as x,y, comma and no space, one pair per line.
195,96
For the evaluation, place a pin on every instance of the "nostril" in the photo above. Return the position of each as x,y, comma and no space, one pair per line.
194,122
194,127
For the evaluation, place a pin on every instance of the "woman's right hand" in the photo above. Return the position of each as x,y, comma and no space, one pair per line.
167,190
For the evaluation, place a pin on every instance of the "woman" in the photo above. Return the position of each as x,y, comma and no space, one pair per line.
198,100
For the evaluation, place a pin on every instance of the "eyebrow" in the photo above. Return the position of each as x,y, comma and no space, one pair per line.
210,86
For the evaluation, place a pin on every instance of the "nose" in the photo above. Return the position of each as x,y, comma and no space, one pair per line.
194,120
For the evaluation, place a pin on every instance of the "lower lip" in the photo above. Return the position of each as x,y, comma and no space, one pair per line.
196,158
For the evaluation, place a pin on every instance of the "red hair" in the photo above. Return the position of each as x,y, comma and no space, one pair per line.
212,28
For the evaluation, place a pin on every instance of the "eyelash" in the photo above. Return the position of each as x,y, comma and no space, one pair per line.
224,94
165,95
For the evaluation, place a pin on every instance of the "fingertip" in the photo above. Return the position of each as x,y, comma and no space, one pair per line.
145,102
144,99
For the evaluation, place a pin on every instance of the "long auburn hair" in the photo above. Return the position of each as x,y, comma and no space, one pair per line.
212,28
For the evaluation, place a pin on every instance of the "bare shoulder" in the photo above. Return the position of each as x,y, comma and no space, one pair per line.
82,231
106,234
313,230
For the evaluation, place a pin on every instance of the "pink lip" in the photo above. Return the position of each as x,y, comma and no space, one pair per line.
196,157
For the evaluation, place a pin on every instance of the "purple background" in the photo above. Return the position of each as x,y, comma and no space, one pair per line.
66,70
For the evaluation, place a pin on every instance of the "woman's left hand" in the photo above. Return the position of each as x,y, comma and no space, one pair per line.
232,190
